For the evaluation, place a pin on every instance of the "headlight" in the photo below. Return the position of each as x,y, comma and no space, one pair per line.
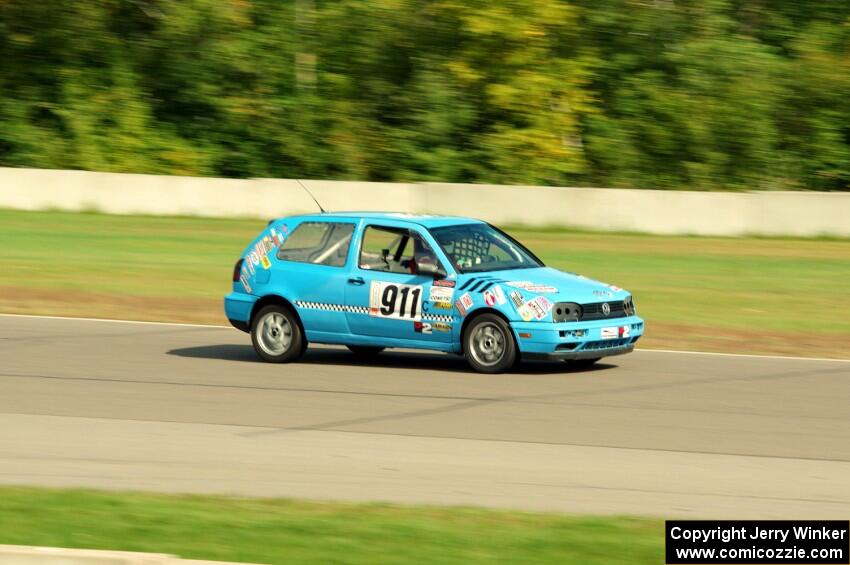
629,306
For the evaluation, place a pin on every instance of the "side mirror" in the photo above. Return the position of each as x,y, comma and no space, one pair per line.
430,269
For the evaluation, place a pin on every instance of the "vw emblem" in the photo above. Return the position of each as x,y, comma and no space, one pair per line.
605,308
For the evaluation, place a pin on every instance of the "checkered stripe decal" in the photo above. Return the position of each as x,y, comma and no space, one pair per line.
321,306
437,318
364,310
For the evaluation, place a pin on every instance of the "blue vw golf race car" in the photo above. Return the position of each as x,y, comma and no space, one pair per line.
370,281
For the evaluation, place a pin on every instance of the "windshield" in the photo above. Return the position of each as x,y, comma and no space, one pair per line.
477,248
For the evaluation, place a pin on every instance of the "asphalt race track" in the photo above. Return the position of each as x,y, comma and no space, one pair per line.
189,409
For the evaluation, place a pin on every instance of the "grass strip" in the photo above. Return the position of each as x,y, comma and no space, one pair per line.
287,531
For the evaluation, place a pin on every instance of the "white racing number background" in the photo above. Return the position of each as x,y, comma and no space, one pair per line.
392,300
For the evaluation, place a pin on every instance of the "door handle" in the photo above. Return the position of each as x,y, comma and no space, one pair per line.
356,281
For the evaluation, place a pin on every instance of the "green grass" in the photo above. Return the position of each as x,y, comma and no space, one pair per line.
133,255
780,295
746,283
283,531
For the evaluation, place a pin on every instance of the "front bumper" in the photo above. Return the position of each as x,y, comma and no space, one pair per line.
573,355
578,340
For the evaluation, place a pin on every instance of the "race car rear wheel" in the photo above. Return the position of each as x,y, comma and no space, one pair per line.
488,344
276,334
364,350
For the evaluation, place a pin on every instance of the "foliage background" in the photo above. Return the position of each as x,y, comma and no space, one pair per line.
669,94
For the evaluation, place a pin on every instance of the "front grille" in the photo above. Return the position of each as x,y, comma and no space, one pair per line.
594,311
572,312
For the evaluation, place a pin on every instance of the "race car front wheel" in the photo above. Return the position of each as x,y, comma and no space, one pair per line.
276,335
488,344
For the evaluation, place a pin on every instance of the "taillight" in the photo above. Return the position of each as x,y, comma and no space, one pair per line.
237,270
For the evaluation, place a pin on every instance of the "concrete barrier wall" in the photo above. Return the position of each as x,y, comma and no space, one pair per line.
649,211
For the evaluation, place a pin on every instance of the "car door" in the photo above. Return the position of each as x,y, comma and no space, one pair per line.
385,295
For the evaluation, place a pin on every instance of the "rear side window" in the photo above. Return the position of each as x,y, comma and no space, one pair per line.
320,243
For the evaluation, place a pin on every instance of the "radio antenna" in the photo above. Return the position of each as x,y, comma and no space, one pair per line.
311,195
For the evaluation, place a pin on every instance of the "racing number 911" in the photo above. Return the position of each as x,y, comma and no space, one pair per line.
392,300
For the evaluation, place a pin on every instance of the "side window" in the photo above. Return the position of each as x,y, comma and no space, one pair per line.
320,243
386,249
393,250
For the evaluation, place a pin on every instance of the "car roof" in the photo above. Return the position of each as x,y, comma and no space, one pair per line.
425,220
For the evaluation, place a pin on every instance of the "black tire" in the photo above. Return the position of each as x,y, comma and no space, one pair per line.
270,328
364,350
488,344
582,363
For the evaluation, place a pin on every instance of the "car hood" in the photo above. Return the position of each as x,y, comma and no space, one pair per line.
557,286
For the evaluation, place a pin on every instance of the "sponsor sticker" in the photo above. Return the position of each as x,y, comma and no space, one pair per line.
542,289
525,312
442,326
464,303
533,287
422,327
603,293
245,283
516,298
610,333
255,259
399,301
494,295
441,294
499,294
444,282
442,305
539,307
545,303
624,331
614,288
265,262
